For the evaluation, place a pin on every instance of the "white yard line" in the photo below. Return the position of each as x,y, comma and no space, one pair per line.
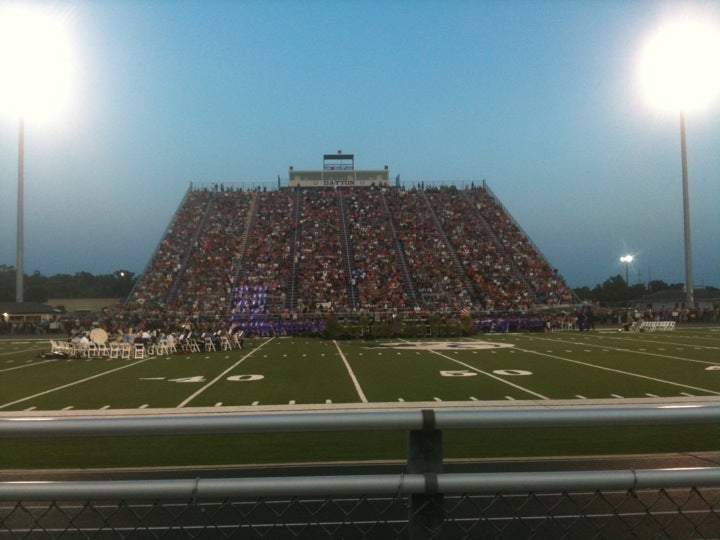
491,375
22,351
28,365
219,377
71,384
356,383
664,342
621,372
605,346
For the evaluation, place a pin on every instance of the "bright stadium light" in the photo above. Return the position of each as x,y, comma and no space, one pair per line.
679,71
679,66
627,259
35,71
34,62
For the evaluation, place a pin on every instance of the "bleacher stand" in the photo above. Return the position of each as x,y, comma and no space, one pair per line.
295,254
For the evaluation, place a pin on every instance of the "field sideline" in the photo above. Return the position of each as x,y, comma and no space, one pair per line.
602,368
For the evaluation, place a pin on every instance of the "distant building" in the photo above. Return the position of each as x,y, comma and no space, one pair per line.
23,313
675,299
90,305
338,171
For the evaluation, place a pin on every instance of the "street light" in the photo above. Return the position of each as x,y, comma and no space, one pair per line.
627,259
680,72
34,62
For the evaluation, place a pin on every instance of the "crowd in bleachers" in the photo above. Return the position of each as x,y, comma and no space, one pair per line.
208,278
430,262
321,278
266,263
480,252
239,254
156,282
546,285
376,272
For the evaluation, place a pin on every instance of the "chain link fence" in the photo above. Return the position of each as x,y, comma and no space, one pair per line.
423,502
647,513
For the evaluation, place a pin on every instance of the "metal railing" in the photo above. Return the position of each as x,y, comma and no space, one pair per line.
420,502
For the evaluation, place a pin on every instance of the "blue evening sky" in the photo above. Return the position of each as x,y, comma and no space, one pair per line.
539,98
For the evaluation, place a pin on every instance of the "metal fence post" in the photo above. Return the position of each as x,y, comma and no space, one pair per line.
425,456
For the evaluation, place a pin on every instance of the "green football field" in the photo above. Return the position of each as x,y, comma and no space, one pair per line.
299,374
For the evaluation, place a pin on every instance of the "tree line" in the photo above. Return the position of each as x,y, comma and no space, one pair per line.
616,291
39,288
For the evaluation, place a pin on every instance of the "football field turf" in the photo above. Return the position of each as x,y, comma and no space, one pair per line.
300,374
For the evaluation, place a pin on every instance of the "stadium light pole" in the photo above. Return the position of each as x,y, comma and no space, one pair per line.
627,259
689,286
19,266
679,72
35,65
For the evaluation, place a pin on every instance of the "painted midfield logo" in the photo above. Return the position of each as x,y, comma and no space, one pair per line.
445,345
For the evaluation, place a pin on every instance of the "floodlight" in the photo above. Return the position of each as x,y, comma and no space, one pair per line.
680,72
35,68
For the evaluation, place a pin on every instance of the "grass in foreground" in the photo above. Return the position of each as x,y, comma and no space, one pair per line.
112,452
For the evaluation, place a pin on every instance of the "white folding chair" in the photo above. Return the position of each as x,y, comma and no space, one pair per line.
88,350
114,351
60,347
161,347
